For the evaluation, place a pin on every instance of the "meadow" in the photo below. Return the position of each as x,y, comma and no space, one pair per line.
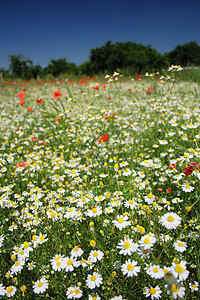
99,193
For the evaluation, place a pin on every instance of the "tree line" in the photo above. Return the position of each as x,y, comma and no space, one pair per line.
130,57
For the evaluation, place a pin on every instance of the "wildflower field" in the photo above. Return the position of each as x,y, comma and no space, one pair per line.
99,194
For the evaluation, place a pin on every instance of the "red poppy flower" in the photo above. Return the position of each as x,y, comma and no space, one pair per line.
172,166
160,190
24,90
169,191
109,98
103,138
23,164
43,143
57,94
149,91
21,95
58,120
30,109
104,86
188,170
34,139
21,102
104,117
96,87
39,101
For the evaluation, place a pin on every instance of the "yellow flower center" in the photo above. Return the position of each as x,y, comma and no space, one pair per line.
76,249
150,196
58,258
9,289
175,288
155,270
180,244
58,263
120,220
42,238
94,210
179,269
131,201
95,254
170,219
53,214
126,245
26,245
40,284
152,291
69,262
93,278
146,241
187,186
130,267
77,291
16,263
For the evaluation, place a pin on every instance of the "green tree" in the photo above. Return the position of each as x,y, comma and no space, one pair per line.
19,65
60,66
133,56
185,55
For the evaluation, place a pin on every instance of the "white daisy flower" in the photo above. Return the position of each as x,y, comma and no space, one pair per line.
194,286
68,264
76,251
40,286
95,256
41,239
170,220
108,210
95,211
179,270
149,198
127,246
18,266
2,290
187,188
10,291
132,204
121,222
94,296
130,268
176,291
180,246
154,292
155,272
74,292
94,280
56,263
147,241
1,239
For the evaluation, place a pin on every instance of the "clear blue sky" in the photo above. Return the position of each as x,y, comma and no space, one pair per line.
42,30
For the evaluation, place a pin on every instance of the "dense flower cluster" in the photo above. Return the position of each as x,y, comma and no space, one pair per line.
98,196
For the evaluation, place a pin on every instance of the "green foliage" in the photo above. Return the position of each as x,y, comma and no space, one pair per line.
21,67
59,66
185,55
133,57
137,57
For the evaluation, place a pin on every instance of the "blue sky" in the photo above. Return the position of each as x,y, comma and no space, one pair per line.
42,30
